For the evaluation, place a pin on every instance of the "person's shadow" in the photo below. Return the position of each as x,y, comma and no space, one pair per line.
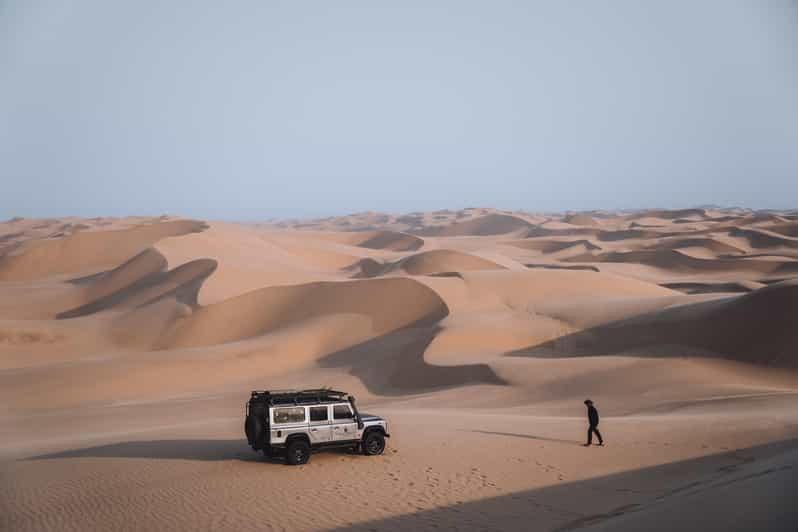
528,437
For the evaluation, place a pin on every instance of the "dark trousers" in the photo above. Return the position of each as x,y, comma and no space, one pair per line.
590,431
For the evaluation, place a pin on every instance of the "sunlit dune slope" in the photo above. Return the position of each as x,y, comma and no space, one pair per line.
388,304
87,252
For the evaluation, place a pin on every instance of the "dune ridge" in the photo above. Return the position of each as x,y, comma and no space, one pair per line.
128,348
674,260
86,252
431,262
489,225
757,328
257,313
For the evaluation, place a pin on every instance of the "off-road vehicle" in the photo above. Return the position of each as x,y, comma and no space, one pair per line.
294,423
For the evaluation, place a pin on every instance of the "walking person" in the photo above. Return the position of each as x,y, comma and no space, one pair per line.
593,421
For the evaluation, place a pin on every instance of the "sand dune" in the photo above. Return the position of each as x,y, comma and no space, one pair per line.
789,229
553,246
756,329
128,346
86,252
761,238
257,313
125,287
666,214
492,224
444,260
426,263
391,240
674,260
713,245
580,219
694,287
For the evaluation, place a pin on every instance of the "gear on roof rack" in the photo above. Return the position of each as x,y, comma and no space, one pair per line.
320,395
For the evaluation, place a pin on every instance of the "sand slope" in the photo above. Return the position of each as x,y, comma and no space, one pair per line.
756,328
86,251
128,347
266,310
492,224
426,263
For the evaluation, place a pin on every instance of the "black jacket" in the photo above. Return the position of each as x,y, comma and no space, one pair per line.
592,415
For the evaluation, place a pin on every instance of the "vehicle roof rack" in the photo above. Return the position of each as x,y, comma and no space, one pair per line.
297,397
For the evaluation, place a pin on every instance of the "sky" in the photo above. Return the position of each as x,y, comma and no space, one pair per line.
254,110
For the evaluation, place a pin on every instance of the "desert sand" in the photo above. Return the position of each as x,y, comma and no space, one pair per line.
128,348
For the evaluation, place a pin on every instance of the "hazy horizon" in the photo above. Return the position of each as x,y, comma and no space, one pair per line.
277,110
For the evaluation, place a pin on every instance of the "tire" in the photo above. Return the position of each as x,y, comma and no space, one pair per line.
254,429
298,452
373,444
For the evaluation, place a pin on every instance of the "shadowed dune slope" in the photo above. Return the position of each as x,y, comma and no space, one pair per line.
670,259
492,224
394,364
760,238
714,287
709,244
130,285
383,239
552,246
669,214
758,327
580,219
390,304
787,229
594,232
426,263
391,240
85,252
444,260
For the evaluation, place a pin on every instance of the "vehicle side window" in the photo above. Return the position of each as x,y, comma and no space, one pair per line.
289,415
318,413
342,412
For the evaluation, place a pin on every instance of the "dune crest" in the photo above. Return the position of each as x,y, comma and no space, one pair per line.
129,346
489,225
87,252
389,304
757,328
390,240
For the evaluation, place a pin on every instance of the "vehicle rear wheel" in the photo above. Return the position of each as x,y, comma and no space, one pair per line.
374,444
297,453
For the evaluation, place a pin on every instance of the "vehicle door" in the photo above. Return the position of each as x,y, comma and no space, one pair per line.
344,426
287,420
320,427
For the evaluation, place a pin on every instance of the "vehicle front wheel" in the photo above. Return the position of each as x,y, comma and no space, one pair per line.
297,453
374,444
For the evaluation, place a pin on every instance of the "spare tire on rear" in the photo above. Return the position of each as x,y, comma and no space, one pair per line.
254,430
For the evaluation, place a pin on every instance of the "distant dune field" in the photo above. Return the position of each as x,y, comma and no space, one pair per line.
129,346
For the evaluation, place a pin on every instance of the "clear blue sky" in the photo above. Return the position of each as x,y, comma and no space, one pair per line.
258,109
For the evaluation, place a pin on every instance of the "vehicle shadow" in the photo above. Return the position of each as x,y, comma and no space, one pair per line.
185,449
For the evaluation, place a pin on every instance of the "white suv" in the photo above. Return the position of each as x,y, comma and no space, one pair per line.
295,423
